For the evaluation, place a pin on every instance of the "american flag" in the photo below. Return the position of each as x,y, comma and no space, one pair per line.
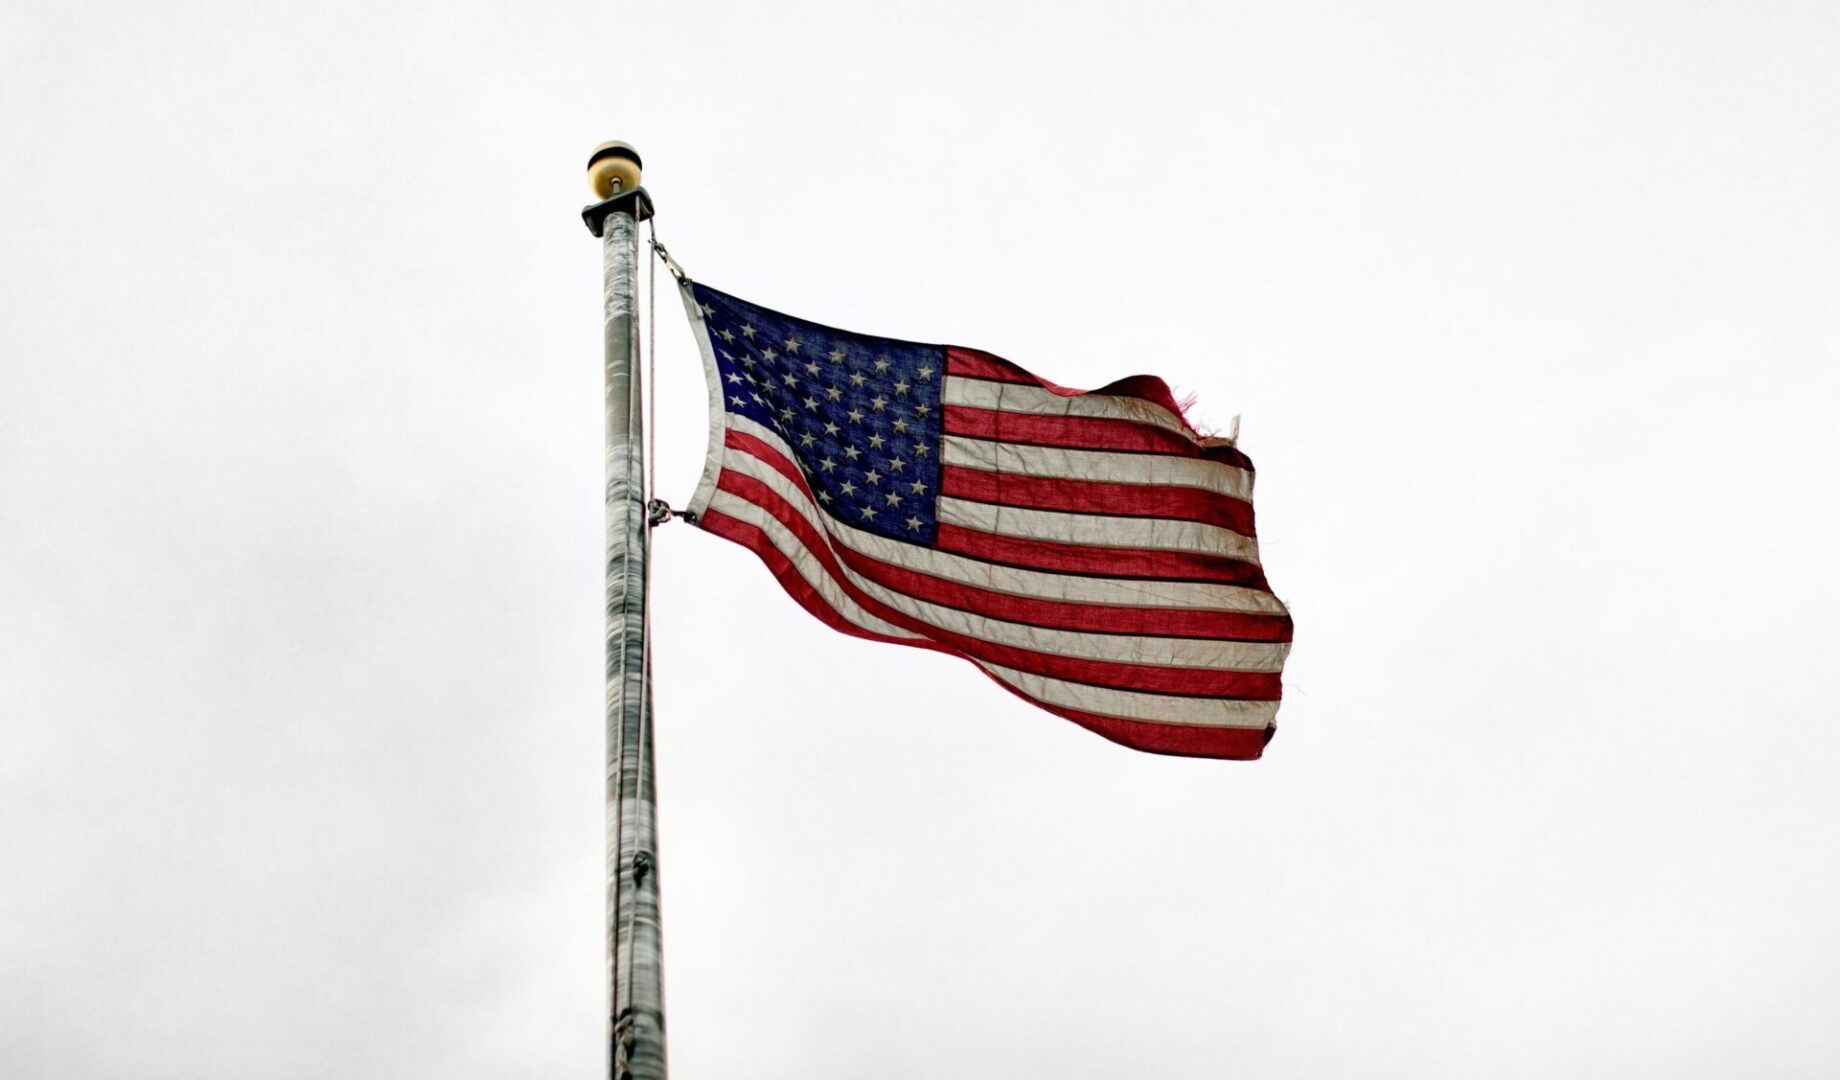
1091,552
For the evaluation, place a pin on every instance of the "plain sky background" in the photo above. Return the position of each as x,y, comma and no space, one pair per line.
1530,310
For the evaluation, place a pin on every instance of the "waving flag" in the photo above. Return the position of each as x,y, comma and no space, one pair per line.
1091,552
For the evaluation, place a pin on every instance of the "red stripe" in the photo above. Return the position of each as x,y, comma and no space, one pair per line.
757,541
1067,615
767,452
973,364
1083,433
1098,497
1174,622
1182,740
976,364
1241,744
1194,682
1048,554
1098,561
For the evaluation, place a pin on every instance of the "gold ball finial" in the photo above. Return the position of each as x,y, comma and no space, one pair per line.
612,168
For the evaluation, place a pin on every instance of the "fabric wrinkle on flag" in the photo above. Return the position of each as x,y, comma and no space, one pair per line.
1089,551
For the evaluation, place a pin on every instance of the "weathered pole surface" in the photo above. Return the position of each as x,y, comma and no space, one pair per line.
634,954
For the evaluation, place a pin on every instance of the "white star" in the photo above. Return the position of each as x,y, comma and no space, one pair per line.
900,387
896,464
747,331
708,309
824,496
923,409
785,414
790,379
833,393
811,368
875,442
827,464
918,487
792,344
728,335
807,439
747,361
734,376
881,363
926,372
922,449
758,400
851,452
879,402
893,499
856,378
837,355
900,425
847,488
913,524
811,403
769,356
868,513
873,477
830,428
736,398
855,416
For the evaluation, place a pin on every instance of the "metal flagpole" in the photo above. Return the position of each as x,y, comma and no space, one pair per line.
635,1032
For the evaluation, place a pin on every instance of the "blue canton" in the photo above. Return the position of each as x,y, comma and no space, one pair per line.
862,414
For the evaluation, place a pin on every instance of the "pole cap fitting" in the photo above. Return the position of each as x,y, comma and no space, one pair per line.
612,168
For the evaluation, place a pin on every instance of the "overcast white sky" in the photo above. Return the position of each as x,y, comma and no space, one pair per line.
1530,311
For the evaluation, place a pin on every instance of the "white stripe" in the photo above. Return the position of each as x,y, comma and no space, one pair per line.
1057,463
1095,530
806,564
1131,705
1040,401
1047,585
1124,704
1112,648
1015,581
